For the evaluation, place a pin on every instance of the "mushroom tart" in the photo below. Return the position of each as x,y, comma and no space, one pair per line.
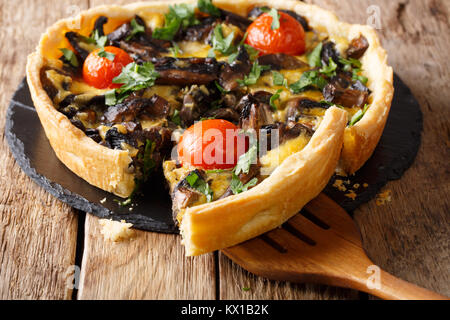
248,107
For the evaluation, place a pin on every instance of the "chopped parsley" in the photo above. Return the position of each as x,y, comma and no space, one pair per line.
278,79
148,162
252,53
199,184
358,115
206,6
308,79
175,49
70,57
220,43
134,77
95,38
220,88
275,97
110,97
176,117
123,203
354,66
237,186
105,54
136,28
246,160
314,59
254,74
330,69
275,17
179,16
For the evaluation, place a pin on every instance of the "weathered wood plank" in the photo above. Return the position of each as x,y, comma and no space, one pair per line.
409,236
37,232
152,266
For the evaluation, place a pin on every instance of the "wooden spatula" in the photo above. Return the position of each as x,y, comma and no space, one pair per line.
321,244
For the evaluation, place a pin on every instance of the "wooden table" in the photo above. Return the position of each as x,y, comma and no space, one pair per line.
42,240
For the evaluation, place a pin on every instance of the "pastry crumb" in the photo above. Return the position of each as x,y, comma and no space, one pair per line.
103,200
365,185
116,231
383,198
351,194
339,184
356,185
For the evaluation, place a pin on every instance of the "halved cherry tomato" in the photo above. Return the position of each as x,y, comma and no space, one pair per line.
212,144
289,38
99,72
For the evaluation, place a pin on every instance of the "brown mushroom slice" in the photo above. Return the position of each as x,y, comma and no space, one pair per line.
254,113
186,71
131,109
357,47
196,102
280,61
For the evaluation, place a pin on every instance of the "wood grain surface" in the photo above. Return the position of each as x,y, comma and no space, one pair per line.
408,237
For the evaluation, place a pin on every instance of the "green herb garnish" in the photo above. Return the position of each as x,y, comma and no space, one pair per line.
358,115
278,79
245,160
176,117
308,79
237,186
123,203
330,69
199,184
221,44
105,54
95,38
70,57
179,16
254,74
275,17
275,97
110,97
134,77
314,59
175,49
136,28
220,88
206,6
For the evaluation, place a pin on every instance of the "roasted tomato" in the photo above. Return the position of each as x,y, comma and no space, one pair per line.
212,144
289,38
100,71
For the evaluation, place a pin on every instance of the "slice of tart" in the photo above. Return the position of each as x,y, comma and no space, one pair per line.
124,95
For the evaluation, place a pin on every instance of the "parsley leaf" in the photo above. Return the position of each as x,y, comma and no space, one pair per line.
206,6
221,44
199,184
278,79
175,49
358,115
237,186
105,54
95,38
220,88
134,77
245,160
70,57
275,17
252,52
179,16
314,59
308,79
148,162
176,117
110,97
330,69
254,74
350,62
275,97
136,28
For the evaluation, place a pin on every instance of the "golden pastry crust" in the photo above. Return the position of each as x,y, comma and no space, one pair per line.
297,180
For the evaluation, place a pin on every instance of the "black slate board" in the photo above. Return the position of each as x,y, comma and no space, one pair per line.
394,154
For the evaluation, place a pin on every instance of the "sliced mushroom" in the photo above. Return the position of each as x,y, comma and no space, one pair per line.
254,113
236,70
186,71
196,102
280,61
198,32
223,113
75,39
340,90
357,47
98,25
130,109
329,51
232,18
296,106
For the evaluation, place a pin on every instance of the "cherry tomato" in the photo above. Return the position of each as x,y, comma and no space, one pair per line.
289,38
212,144
99,72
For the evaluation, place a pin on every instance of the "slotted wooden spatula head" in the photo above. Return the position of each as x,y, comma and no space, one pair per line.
321,244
